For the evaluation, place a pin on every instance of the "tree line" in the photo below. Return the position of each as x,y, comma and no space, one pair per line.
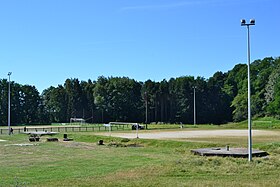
220,99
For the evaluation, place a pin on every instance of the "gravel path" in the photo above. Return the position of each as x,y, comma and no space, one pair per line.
191,134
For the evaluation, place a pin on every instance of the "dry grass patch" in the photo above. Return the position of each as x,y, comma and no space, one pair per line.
78,145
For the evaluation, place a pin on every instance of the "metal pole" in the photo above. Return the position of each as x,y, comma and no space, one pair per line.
137,130
92,115
102,115
243,23
146,103
9,105
249,103
194,109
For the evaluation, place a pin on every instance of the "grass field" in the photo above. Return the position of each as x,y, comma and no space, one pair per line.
136,162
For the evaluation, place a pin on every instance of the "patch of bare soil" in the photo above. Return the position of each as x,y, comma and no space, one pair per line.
182,134
79,145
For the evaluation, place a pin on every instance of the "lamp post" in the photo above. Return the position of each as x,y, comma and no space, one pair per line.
146,104
243,23
9,104
194,109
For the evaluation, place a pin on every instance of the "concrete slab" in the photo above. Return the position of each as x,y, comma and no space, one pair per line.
228,152
21,145
41,133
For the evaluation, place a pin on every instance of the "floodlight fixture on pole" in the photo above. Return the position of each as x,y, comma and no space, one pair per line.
194,106
9,104
243,23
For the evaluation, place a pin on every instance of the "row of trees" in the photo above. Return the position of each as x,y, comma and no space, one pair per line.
26,104
221,98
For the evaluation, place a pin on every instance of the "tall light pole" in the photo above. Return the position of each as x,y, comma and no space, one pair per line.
243,23
146,103
9,104
194,109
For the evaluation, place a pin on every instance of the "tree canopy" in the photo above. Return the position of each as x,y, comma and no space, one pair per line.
220,99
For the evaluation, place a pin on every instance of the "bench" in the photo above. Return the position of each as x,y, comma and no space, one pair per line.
52,139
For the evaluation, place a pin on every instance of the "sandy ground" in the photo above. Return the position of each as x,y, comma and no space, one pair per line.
182,134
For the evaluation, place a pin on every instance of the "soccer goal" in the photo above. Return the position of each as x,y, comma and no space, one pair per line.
79,121
122,123
134,126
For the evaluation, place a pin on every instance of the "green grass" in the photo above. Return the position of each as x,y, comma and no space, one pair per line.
257,123
120,163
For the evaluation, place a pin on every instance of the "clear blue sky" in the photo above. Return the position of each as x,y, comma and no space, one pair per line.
44,42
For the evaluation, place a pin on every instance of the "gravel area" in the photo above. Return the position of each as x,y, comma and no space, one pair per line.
191,134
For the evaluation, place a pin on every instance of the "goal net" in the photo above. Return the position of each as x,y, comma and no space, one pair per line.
122,123
134,126
77,121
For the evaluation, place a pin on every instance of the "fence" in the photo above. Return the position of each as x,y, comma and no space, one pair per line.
65,129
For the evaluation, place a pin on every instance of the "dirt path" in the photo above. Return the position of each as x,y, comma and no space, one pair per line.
191,134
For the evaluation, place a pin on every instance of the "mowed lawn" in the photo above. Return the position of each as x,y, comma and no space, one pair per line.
137,162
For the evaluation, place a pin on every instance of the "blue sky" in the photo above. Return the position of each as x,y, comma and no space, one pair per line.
44,42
